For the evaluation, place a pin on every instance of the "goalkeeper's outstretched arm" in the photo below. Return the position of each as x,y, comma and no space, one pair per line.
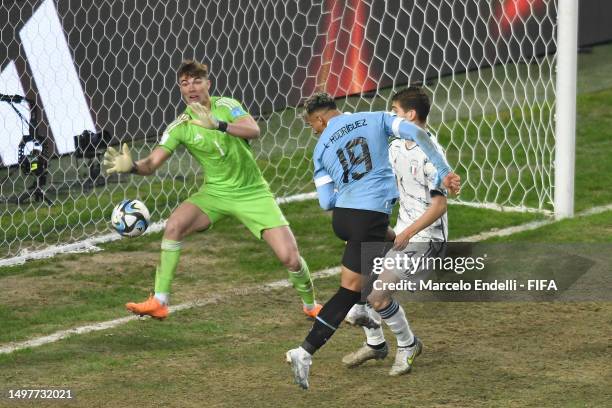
121,162
152,162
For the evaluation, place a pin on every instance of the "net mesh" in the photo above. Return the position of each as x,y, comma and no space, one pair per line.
110,66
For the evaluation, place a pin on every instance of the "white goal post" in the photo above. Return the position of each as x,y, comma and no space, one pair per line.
76,78
565,130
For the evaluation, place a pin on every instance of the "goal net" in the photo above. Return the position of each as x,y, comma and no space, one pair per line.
78,77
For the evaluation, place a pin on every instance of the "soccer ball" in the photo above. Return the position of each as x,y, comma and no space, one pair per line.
130,218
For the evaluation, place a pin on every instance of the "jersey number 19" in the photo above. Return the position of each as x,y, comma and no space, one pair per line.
355,160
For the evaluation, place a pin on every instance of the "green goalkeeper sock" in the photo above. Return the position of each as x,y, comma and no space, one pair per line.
302,283
170,254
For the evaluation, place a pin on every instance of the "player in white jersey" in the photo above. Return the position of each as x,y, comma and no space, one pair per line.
415,177
421,227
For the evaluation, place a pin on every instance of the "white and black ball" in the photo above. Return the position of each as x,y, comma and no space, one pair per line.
130,218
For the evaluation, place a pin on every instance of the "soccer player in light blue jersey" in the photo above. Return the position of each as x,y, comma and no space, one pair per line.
353,177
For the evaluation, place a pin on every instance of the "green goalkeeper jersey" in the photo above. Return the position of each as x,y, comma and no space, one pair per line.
227,161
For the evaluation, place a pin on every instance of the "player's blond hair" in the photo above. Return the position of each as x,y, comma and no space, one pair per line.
193,69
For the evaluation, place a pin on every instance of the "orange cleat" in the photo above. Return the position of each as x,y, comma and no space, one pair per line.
314,311
150,307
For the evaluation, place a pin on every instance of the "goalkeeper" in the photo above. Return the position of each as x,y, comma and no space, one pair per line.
215,131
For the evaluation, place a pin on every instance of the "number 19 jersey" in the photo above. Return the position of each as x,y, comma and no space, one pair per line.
353,153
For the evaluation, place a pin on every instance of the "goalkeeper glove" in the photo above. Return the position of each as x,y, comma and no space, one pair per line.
205,118
118,162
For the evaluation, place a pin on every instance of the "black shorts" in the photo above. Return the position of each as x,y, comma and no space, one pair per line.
356,227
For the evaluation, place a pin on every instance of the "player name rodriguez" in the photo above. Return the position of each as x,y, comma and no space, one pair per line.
461,285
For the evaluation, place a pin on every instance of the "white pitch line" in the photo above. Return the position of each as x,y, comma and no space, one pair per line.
501,208
505,231
216,298
529,226
595,210
80,246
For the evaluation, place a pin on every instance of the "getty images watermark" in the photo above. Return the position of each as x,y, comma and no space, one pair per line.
489,272
411,264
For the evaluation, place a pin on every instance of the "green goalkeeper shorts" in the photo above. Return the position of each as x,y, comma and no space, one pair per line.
258,211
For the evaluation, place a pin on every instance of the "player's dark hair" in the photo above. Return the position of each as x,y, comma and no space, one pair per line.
413,97
193,69
319,100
